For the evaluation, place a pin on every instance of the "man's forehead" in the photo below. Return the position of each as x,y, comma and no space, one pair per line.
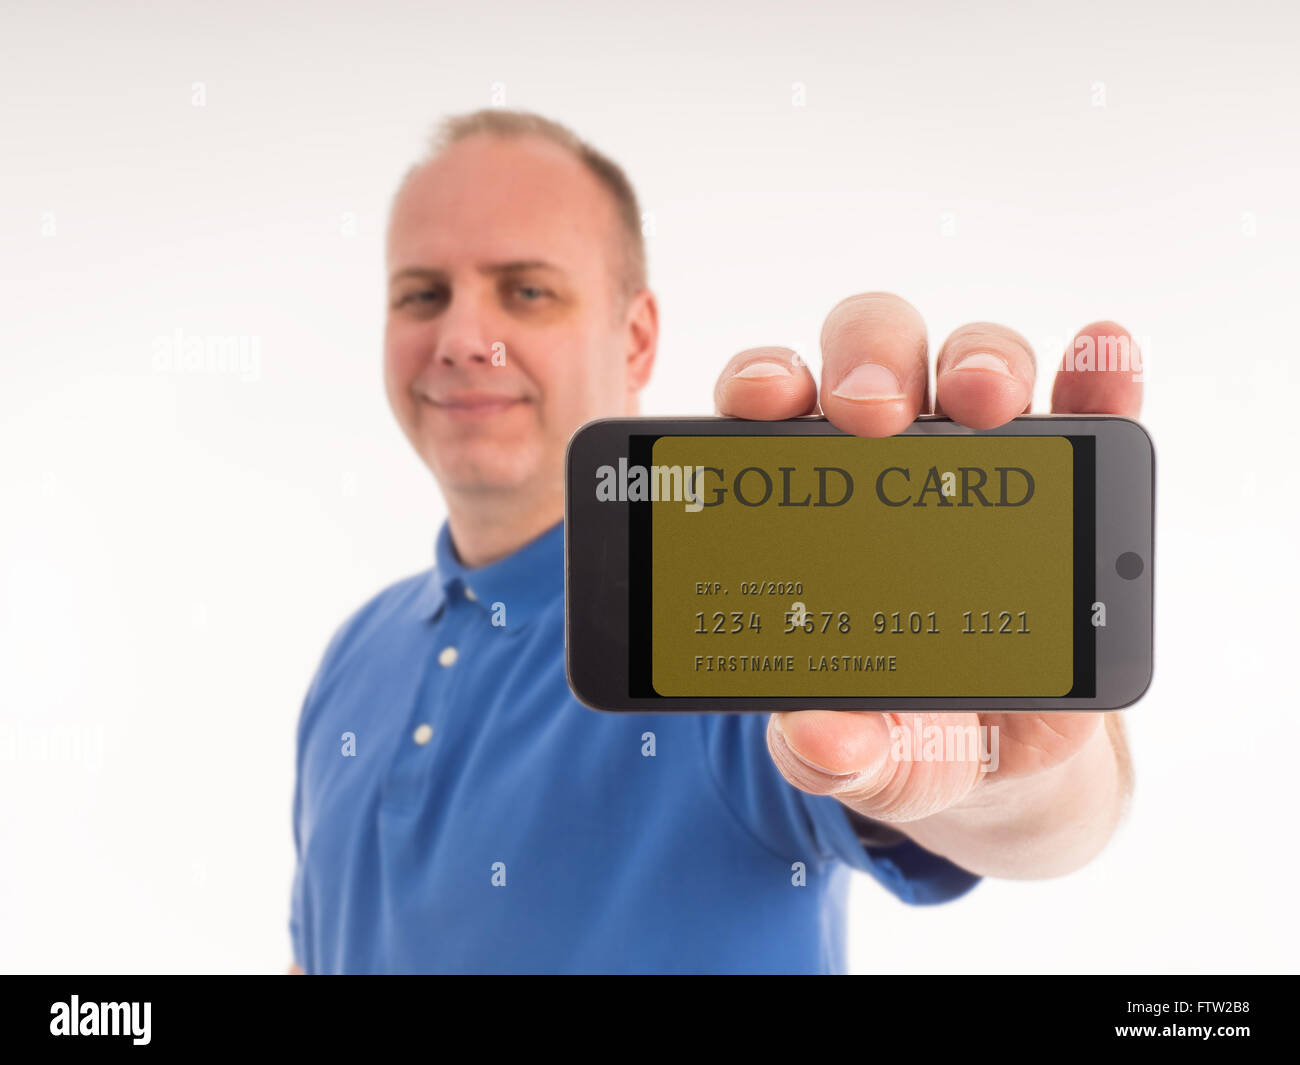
500,201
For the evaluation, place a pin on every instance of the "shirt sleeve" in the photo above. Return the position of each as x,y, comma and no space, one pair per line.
909,871
818,827
296,891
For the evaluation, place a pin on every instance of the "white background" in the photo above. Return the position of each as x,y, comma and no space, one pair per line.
176,548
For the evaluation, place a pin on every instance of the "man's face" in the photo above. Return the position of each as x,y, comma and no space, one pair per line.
502,336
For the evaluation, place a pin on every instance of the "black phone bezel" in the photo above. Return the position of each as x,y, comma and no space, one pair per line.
598,547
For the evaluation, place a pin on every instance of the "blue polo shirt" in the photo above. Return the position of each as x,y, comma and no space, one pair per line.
456,809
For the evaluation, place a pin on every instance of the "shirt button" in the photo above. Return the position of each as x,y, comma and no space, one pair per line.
448,655
423,734
469,594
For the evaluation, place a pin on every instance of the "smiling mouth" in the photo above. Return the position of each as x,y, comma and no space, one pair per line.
473,408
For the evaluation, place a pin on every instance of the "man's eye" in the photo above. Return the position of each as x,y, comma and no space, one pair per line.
426,296
531,293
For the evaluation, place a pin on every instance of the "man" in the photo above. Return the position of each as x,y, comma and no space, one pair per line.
456,809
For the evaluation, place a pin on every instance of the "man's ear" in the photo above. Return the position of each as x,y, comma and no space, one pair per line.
642,340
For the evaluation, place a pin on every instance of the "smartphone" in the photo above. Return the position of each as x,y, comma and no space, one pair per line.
717,564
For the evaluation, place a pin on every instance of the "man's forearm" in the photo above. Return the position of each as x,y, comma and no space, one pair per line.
1037,826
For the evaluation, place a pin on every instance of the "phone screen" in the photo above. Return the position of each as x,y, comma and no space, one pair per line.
815,566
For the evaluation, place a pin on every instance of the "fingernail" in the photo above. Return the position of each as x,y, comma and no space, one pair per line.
758,371
982,360
870,381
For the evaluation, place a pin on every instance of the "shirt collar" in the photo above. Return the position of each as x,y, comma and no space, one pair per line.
524,582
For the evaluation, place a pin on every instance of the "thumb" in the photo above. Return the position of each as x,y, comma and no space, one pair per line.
854,756
826,752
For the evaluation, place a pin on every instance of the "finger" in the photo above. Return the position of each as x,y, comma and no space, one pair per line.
875,364
765,384
984,375
1100,373
866,760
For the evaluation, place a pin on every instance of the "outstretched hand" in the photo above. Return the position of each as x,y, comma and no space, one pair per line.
1064,770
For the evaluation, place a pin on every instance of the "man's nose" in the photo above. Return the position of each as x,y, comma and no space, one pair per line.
462,336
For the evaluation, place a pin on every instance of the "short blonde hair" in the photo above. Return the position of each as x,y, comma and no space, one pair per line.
631,271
